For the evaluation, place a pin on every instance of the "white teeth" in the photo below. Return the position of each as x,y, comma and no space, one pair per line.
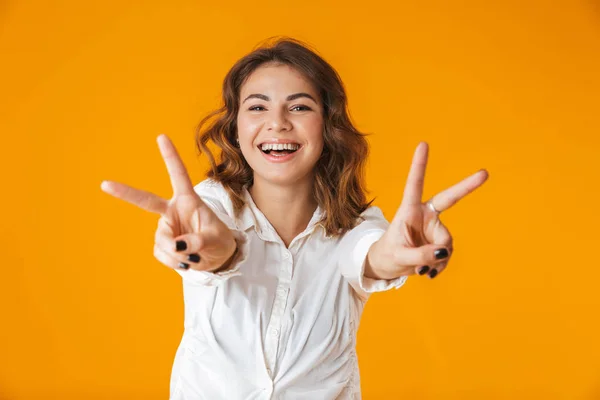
275,146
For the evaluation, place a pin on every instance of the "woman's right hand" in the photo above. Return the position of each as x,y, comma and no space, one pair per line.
189,234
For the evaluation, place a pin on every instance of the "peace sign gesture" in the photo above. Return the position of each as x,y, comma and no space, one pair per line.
416,240
189,233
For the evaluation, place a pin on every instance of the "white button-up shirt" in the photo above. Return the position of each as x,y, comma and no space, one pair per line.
282,322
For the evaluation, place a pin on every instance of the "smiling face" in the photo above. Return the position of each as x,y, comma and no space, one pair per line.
280,125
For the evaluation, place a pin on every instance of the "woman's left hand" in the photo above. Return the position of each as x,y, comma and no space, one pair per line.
416,240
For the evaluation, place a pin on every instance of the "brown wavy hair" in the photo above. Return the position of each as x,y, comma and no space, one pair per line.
339,173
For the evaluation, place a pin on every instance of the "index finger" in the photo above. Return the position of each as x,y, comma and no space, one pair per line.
447,198
413,190
180,180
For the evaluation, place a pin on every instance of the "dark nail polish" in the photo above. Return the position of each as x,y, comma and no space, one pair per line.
194,258
184,265
423,270
433,273
180,245
440,253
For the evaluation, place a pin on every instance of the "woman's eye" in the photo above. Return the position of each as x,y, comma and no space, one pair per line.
295,108
303,108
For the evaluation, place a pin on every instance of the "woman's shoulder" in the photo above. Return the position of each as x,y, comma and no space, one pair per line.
214,193
372,212
209,185
372,217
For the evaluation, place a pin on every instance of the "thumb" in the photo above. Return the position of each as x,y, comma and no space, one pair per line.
423,255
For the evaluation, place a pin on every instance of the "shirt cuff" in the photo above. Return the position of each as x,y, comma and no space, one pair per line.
359,258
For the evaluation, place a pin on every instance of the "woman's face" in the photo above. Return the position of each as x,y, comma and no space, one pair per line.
280,125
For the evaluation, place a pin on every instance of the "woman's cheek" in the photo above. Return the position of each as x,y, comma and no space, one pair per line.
247,126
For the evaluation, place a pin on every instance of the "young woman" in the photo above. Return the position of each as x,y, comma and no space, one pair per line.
278,248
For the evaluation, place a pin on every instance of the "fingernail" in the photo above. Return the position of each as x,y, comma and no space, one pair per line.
180,245
440,253
194,258
184,265
423,270
433,273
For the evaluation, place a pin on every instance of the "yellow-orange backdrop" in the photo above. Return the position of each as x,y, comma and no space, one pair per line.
88,313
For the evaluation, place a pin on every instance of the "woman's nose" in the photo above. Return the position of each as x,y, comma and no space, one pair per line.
279,121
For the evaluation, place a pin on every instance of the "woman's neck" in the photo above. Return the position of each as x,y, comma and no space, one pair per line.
288,208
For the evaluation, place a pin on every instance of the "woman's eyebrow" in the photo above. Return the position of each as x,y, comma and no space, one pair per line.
289,98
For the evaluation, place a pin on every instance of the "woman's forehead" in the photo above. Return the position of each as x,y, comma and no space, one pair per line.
277,80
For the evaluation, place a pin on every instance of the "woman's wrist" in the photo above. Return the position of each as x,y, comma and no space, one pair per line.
227,263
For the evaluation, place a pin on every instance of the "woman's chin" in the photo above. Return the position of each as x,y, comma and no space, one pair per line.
281,177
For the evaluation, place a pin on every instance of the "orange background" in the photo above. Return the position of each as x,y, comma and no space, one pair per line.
88,313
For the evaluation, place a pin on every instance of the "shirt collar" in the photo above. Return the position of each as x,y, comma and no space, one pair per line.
251,216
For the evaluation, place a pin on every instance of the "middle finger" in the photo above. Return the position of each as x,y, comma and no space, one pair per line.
145,200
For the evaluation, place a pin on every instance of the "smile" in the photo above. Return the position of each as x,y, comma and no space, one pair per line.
279,153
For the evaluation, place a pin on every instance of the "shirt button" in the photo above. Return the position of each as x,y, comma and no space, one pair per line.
275,332
286,255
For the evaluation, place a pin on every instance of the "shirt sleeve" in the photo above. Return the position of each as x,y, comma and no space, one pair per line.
353,249
209,192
